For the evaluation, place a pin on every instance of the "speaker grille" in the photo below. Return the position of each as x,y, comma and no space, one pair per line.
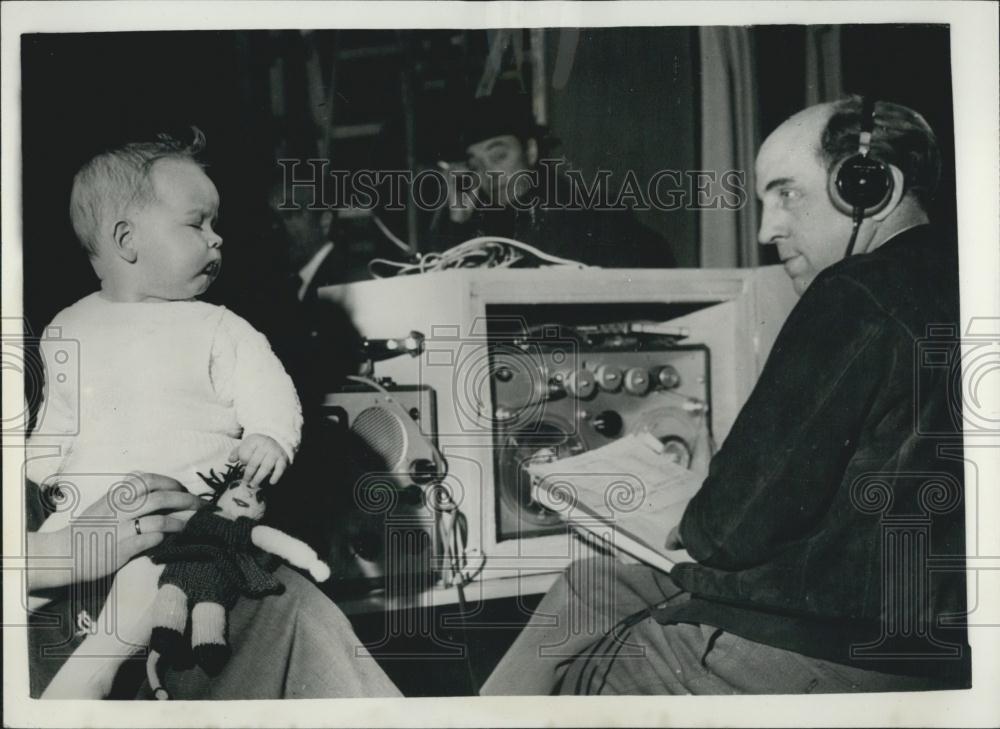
383,433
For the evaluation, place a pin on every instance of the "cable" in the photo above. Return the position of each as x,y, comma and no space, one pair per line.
530,249
392,236
462,610
370,382
386,262
453,533
481,252
618,634
859,215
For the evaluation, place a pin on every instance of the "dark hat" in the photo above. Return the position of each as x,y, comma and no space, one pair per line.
502,112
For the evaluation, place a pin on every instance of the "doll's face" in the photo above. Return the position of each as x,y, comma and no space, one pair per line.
242,499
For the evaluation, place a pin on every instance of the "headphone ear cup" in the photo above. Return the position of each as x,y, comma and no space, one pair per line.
859,181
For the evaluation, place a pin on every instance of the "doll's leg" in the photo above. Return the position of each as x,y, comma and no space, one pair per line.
170,614
208,636
123,629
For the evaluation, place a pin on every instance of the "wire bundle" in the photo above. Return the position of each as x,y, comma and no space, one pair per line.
482,252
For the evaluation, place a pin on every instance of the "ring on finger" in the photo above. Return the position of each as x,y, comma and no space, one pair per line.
138,529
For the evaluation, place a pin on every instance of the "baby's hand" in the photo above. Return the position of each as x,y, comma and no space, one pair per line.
261,457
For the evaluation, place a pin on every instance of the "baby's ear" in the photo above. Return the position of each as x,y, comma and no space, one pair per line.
123,237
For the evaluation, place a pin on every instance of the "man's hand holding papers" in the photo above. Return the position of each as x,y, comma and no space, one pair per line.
629,494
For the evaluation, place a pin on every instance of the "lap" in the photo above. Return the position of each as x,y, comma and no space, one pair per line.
294,645
643,656
608,587
592,634
572,623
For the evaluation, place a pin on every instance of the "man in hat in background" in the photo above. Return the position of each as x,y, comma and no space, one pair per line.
518,195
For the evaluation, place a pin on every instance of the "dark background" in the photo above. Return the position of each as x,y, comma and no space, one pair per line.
630,102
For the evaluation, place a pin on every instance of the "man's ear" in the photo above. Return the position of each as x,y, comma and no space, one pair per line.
897,194
531,151
124,240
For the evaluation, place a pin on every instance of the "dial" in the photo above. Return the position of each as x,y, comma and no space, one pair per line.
580,383
609,377
608,423
668,377
636,381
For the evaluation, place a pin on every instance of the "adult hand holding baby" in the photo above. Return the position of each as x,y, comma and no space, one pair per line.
140,510
58,559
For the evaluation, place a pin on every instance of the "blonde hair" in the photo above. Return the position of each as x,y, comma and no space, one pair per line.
117,179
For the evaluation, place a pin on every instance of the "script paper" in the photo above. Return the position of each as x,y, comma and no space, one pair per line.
629,492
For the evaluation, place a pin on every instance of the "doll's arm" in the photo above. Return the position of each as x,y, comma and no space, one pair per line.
288,547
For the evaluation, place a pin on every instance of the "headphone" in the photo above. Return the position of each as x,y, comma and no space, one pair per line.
861,185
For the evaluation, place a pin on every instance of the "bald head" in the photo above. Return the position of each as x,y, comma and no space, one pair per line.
800,134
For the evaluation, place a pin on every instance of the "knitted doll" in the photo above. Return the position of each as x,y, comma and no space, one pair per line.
219,556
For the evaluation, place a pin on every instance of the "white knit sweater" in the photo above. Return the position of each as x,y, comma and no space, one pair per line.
165,388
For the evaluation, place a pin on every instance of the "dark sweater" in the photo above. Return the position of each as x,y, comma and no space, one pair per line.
844,460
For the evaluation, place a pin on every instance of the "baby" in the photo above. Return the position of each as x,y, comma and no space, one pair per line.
168,384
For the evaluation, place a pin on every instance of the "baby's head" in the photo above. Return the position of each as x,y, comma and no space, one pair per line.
144,212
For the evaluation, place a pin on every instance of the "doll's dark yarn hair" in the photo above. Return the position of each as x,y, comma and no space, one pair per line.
221,484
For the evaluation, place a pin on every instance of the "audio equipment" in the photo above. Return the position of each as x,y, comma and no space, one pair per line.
553,404
387,530
861,185
540,364
376,350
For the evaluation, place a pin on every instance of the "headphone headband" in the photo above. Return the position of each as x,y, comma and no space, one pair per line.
867,125
861,185
867,114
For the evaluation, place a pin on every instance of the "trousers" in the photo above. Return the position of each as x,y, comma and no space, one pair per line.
294,645
593,633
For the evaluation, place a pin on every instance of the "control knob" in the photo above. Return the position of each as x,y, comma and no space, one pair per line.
609,377
668,377
607,423
636,381
579,383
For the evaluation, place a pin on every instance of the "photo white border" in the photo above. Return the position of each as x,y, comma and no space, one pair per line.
975,63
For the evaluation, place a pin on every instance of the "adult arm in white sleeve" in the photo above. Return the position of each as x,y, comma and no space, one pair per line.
57,420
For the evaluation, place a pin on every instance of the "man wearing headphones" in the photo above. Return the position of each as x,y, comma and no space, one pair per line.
813,536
